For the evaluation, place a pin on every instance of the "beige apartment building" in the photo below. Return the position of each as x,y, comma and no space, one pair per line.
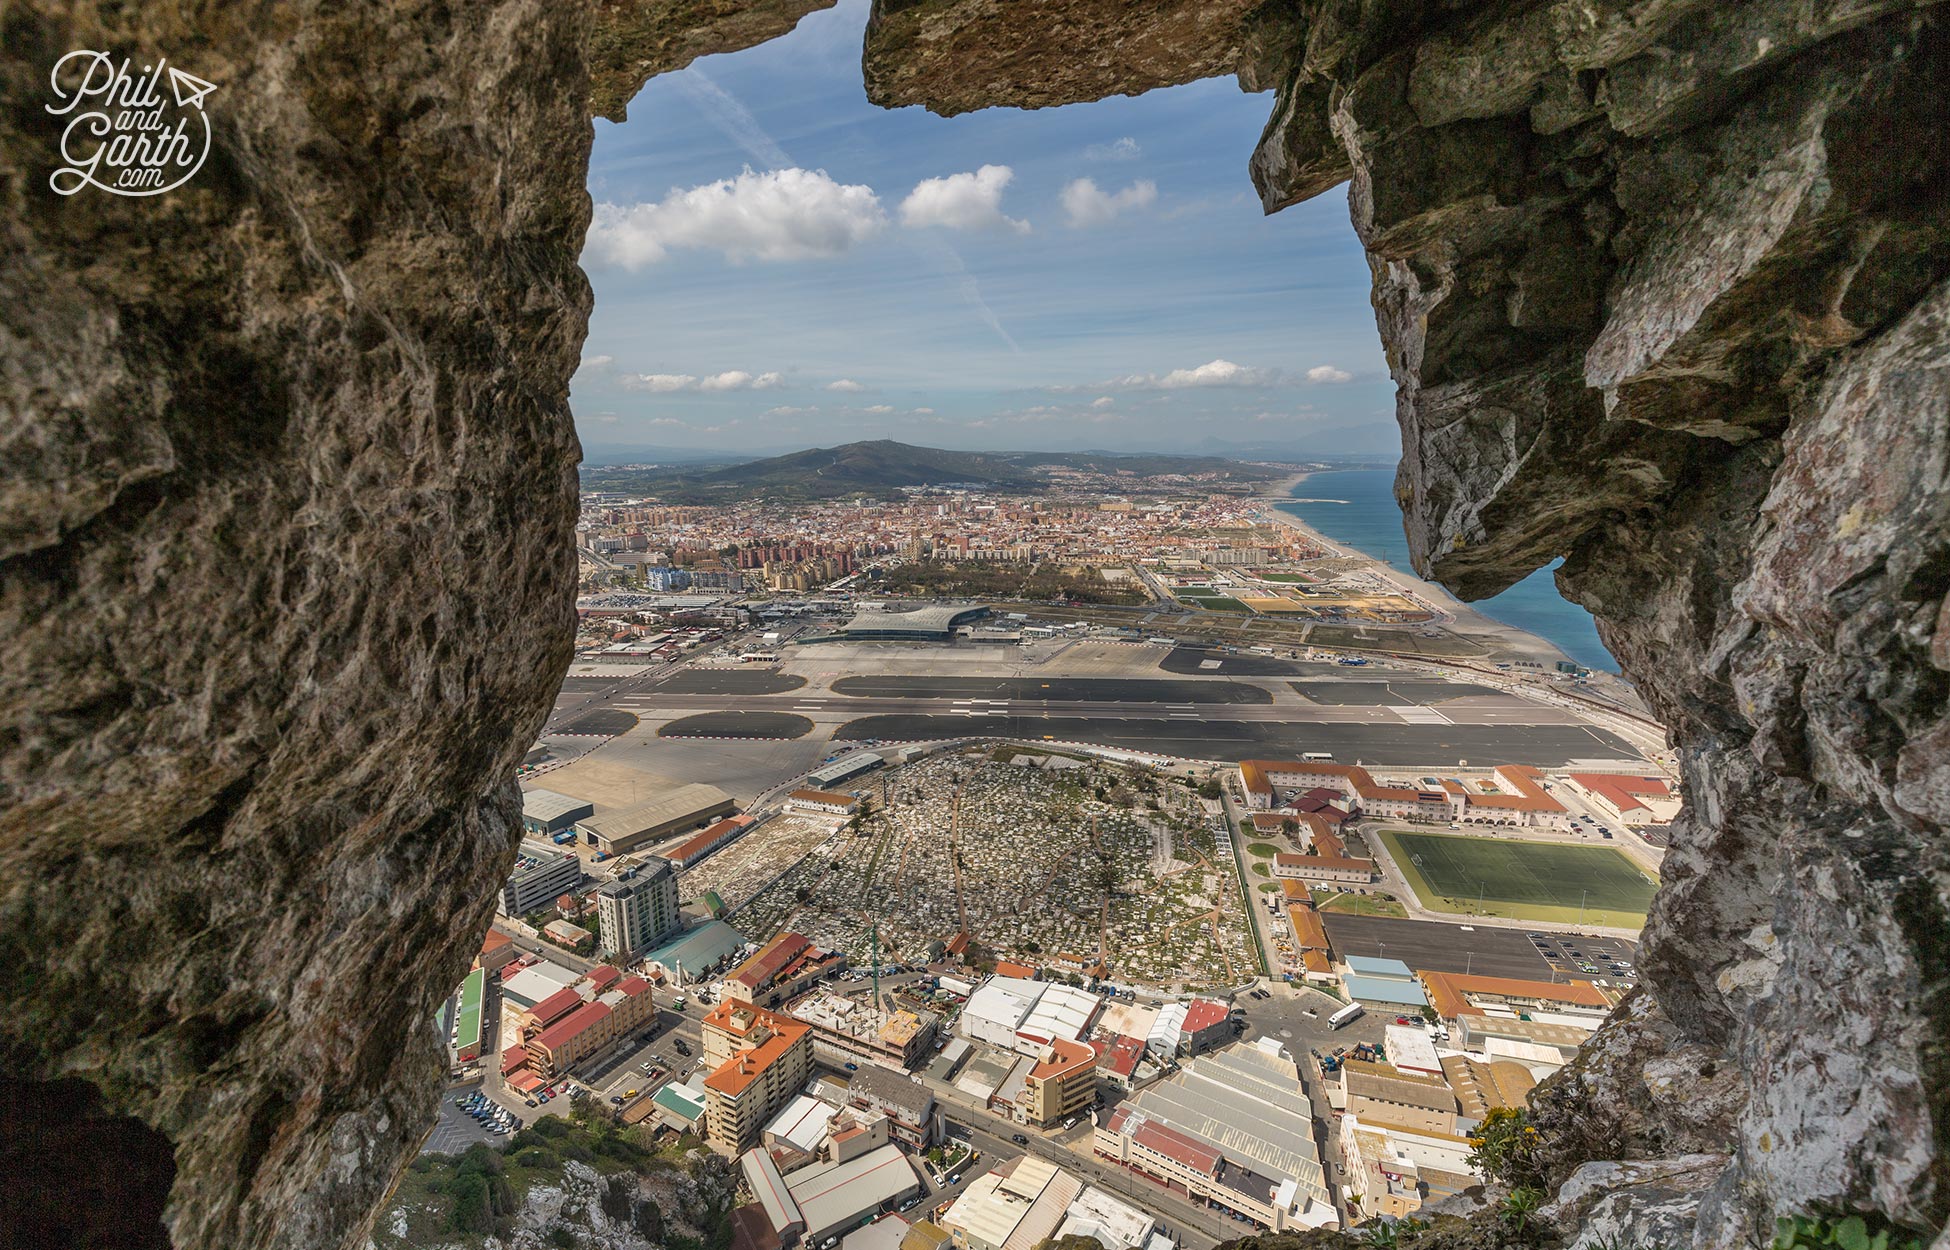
761,1059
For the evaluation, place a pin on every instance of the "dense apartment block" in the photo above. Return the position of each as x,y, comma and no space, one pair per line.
638,910
759,1059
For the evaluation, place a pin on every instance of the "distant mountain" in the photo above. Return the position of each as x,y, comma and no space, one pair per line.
883,467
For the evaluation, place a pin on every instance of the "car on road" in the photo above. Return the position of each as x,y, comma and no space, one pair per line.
1401,1020
852,1067
617,1099
1018,1139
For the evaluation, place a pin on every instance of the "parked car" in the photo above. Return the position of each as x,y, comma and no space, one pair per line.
1018,1139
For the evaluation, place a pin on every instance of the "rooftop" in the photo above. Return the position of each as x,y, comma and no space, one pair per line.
569,1027
675,804
547,805
1452,994
828,1194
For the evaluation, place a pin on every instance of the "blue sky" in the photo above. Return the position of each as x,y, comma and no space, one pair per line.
779,264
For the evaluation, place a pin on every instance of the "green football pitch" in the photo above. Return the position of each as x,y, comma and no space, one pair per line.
1537,881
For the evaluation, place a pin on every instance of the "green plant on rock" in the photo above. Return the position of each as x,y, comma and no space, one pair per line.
1852,1232
1388,1234
1518,1213
1508,1149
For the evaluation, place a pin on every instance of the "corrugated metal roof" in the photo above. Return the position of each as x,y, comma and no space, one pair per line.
832,1194
1378,990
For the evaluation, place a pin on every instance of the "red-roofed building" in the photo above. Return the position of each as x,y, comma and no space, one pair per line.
1207,1023
582,1019
1117,1059
780,970
512,1058
1160,1152
1007,968
1515,796
497,950
762,1058
824,802
721,834
551,1009
1627,799
1325,870
552,1050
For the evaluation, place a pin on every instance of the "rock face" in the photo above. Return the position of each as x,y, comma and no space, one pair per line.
287,479
1665,287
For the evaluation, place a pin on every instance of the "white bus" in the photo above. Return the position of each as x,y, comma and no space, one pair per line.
1346,1015
1318,755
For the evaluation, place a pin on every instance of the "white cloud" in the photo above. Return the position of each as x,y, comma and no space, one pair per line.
962,201
1328,373
1088,205
787,411
787,214
1102,402
739,380
845,384
923,412
1211,373
879,409
1124,149
729,380
658,382
597,362
1216,373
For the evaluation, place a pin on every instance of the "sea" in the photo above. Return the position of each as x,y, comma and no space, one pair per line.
1357,507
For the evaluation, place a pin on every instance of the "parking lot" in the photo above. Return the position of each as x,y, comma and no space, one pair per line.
1482,950
453,1129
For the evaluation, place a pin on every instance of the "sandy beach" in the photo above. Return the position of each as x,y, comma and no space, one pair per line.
1506,640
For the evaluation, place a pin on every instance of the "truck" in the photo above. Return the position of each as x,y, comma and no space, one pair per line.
567,835
1346,1015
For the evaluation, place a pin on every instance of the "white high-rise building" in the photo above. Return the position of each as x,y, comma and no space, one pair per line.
636,913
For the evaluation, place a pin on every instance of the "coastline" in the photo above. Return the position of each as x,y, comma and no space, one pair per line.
1455,615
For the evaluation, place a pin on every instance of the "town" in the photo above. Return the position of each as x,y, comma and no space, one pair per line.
957,921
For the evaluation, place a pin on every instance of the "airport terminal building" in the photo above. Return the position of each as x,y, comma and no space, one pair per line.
917,622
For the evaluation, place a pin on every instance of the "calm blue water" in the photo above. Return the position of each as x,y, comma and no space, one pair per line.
1370,521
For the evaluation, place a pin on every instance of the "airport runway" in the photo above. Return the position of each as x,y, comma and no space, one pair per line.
1194,661
1503,711
1201,735
1392,693
1103,690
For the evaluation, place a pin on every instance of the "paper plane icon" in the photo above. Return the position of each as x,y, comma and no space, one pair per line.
189,89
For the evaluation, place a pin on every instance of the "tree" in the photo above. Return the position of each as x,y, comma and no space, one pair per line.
471,1213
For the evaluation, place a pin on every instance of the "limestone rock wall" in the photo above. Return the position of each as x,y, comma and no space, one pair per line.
287,482
1665,288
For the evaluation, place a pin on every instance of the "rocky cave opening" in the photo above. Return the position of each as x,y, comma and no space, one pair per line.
1665,289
